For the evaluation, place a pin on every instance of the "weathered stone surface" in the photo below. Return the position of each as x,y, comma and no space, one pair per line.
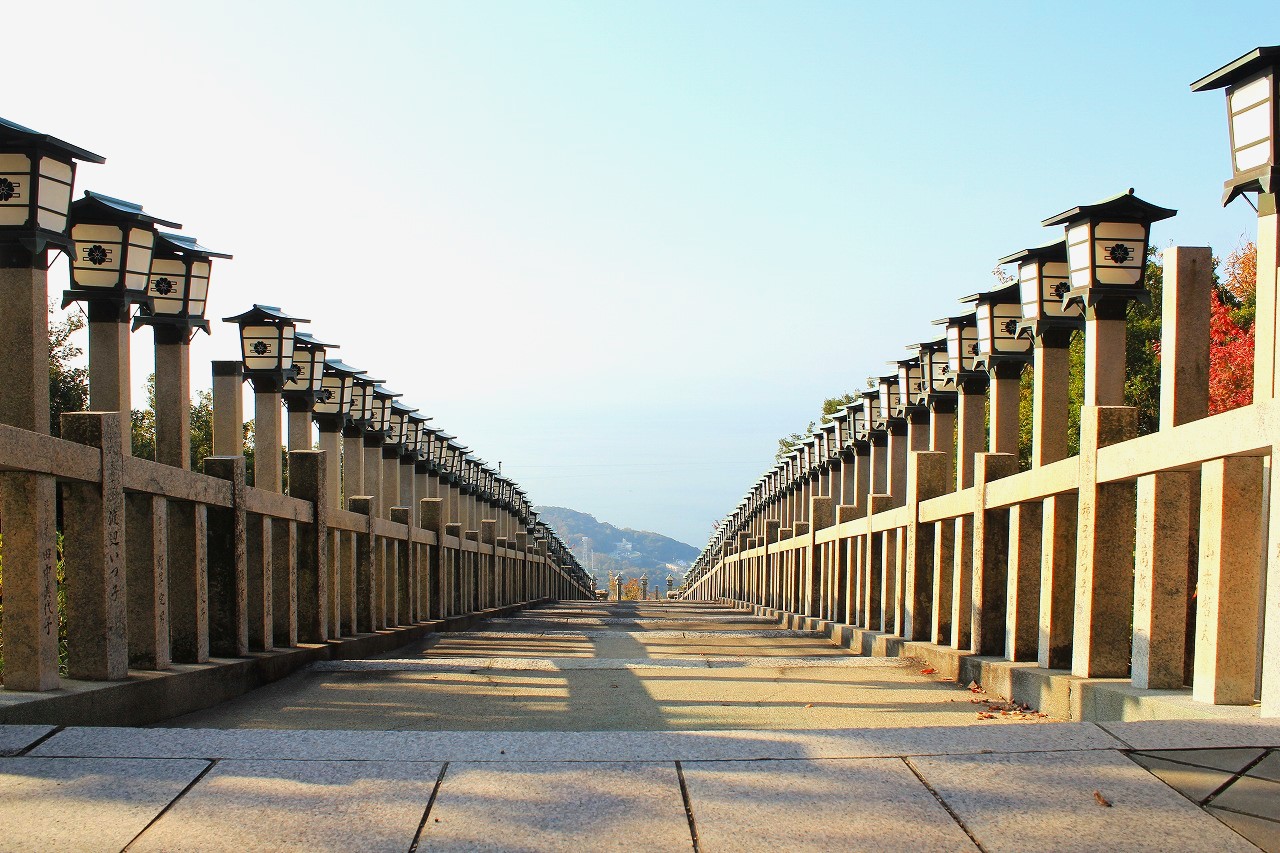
809,805
1048,802
14,739
85,804
1196,734
297,805
566,746
558,806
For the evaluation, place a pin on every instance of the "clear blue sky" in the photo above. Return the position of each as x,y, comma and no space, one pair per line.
622,247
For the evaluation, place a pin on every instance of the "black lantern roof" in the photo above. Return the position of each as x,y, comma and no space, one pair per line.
402,408
1009,293
97,205
386,392
184,245
307,339
263,314
338,366
1051,252
13,134
1125,207
1252,62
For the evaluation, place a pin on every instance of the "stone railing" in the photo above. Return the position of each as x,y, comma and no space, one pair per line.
1152,561
166,566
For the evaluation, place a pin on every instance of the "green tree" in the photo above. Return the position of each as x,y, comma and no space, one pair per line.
1142,352
830,406
143,424
68,385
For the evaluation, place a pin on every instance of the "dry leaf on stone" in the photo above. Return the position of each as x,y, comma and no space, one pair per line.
1102,801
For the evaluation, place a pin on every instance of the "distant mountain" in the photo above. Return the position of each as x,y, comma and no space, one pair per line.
603,548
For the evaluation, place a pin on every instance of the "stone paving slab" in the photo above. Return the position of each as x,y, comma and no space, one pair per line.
559,664
1197,783
1196,734
297,806
865,804
558,806
85,804
15,738
1046,802
1264,833
267,744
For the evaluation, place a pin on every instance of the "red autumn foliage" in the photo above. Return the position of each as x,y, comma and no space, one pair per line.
1230,360
1230,344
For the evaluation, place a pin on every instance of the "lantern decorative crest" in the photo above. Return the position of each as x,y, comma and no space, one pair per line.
396,436
306,383
379,424
334,402
1253,115
1107,248
962,348
37,172
266,345
935,374
841,440
885,400
112,244
911,386
1043,284
997,318
178,285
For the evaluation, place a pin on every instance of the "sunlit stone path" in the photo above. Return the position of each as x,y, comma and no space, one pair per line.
607,666
634,727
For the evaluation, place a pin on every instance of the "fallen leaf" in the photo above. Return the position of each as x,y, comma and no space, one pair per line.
810,705
1102,801
929,671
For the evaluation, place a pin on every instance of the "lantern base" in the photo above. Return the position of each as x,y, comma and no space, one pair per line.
1265,181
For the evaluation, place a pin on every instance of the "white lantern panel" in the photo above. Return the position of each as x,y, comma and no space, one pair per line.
1029,289
1118,253
261,347
15,190
962,347
305,371
1246,95
99,250
286,347
1004,322
1252,125
138,266
1079,259
939,370
197,289
1054,281
334,395
886,399
984,328
167,283
55,194
1252,110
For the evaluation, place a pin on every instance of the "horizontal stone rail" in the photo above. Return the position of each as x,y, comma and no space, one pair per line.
1093,566
166,566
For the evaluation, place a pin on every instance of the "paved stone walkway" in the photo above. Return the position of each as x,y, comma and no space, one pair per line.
1158,786
621,667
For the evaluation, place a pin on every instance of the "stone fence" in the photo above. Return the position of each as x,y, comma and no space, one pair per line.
1152,562
390,530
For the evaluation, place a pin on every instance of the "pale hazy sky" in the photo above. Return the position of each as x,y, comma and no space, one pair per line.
622,247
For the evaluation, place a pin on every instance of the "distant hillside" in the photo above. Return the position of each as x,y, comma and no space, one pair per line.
619,550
